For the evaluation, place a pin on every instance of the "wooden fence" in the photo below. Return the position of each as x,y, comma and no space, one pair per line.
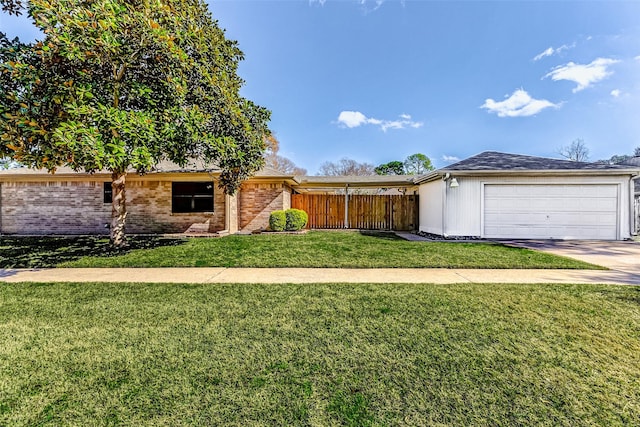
365,212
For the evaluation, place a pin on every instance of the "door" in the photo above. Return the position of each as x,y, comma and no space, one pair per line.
551,211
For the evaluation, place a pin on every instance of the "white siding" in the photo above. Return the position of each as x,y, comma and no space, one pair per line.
464,205
431,207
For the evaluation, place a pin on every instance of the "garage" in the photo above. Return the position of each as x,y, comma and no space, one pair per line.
551,211
496,195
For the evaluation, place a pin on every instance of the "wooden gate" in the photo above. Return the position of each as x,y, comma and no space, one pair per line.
365,212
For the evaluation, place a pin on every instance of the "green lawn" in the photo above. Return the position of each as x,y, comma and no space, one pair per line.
314,249
353,355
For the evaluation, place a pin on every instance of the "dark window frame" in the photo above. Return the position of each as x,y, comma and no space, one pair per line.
107,193
192,197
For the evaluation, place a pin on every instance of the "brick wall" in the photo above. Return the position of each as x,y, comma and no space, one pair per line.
53,208
149,207
256,201
76,207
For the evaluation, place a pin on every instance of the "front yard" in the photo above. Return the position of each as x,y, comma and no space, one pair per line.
352,355
314,249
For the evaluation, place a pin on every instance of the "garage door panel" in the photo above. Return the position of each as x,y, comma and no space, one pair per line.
550,211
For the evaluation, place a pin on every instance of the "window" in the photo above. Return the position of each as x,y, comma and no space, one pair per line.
191,197
107,193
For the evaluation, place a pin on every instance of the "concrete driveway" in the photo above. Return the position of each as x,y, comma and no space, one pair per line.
620,256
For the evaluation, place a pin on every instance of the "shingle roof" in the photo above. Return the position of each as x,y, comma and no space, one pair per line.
496,161
193,166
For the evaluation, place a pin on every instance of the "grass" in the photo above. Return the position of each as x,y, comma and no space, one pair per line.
314,249
343,355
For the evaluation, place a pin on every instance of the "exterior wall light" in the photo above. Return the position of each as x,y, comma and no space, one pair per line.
454,183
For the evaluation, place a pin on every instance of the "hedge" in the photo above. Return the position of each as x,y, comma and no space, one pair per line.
296,219
277,221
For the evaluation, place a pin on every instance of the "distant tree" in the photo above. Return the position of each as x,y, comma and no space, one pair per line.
280,163
621,158
577,151
346,167
417,164
392,168
617,159
284,165
118,85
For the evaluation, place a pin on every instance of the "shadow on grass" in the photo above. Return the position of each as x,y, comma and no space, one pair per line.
48,251
629,297
384,235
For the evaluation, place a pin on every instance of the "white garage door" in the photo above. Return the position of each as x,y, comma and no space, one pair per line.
536,211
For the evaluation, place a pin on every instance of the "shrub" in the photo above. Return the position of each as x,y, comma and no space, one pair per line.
277,221
296,219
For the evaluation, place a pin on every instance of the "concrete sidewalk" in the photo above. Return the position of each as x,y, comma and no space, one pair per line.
316,275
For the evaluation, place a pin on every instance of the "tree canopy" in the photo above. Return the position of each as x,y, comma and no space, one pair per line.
394,167
121,85
414,164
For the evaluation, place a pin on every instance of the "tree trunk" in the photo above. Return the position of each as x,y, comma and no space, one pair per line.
118,209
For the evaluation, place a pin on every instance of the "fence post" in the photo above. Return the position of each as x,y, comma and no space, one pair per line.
346,206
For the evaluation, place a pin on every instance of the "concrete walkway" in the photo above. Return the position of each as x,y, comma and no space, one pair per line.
623,256
316,275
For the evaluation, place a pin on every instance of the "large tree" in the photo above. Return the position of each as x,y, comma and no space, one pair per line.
121,85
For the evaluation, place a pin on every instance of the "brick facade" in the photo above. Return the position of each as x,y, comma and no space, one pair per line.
256,201
76,207
53,208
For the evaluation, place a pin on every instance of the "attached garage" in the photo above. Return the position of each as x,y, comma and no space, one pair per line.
508,196
550,211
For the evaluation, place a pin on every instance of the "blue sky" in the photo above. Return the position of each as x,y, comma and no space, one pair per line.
379,80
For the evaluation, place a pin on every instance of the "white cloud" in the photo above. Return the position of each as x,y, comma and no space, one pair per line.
583,75
354,119
615,93
371,5
637,58
519,104
548,52
322,2
551,51
450,159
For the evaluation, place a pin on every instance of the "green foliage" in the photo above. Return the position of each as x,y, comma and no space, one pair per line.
277,221
417,164
392,168
414,164
296,219
119,85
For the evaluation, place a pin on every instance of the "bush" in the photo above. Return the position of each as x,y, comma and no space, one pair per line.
296,219
277,221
